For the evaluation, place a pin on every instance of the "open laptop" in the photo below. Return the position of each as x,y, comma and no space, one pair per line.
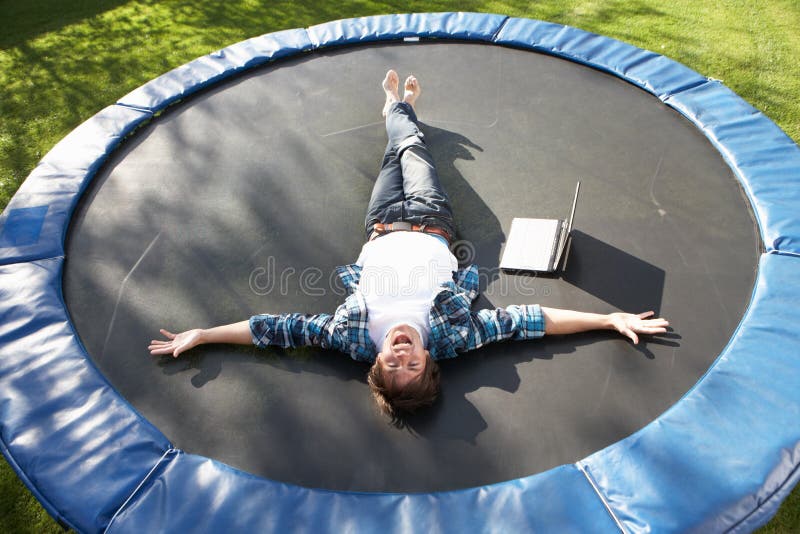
538,244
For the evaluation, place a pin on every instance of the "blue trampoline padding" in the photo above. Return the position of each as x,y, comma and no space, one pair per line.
467,26
241,502
215,67
652,72
731,443
22,226
75,442
722,458
58,180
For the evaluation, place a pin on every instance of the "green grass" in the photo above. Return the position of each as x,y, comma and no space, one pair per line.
19,511
60,62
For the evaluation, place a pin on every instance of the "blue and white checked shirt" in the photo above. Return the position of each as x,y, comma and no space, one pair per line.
454,327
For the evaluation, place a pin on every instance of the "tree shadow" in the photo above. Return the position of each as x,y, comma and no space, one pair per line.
32,19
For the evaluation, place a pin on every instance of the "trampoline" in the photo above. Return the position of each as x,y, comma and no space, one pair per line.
236,184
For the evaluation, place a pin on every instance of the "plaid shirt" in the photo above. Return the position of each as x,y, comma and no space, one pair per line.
454,327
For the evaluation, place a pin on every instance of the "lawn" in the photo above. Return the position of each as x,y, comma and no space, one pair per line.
61,62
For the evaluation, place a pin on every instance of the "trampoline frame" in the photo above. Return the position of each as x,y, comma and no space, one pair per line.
722,458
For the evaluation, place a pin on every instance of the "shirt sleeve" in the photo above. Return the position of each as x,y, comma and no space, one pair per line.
524,321
294,330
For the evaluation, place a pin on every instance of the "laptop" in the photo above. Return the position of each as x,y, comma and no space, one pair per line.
538,244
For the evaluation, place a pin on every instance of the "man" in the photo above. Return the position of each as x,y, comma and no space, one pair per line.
408,303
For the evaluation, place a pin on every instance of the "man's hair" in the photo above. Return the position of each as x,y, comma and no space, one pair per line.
399,402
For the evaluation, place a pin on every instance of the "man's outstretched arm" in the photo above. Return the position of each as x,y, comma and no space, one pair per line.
286,330
175,344
558,321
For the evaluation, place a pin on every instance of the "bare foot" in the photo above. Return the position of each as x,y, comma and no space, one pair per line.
412,90
390,84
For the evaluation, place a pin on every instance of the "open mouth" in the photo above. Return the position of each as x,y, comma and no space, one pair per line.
401,341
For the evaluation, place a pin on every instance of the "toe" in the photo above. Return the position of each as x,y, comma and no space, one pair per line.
390,83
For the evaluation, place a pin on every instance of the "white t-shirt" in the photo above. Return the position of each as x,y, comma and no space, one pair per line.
401,272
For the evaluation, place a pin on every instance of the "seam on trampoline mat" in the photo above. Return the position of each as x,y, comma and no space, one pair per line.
684,88
585,470
146,478
493,38
31,259
779,252
136,108
778,494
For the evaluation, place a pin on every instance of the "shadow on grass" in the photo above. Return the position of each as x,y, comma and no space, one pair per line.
32,19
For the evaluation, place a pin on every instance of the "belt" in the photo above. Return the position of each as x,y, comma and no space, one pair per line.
381,229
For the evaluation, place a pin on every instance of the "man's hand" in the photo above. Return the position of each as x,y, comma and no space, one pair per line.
175,344
629,324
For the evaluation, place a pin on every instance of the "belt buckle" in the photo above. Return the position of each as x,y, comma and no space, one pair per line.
401,225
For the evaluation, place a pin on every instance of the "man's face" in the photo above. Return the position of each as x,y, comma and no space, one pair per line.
402,358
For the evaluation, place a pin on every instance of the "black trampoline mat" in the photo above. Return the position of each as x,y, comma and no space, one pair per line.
243,199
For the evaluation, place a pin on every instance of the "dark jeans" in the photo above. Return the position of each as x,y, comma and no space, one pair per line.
408,188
